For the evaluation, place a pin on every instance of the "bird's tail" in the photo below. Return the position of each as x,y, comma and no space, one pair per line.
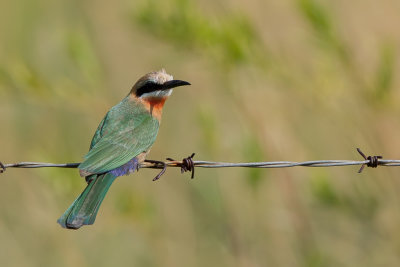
84,209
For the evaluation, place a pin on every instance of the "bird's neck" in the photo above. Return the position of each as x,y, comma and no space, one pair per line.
154,105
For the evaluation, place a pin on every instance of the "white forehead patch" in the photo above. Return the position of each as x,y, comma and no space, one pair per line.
160,76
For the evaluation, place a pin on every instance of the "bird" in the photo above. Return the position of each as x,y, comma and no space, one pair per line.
120,144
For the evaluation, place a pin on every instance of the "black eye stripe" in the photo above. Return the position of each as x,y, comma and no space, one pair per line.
148,88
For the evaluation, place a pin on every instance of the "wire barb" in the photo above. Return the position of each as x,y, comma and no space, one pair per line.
373,161
187,164
3,168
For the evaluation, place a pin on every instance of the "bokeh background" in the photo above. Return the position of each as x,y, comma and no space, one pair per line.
271,80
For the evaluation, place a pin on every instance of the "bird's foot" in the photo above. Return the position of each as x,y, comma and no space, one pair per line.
157,162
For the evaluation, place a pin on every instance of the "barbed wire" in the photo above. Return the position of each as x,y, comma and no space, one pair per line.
188,164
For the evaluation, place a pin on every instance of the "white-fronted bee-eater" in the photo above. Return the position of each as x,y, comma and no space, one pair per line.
120,144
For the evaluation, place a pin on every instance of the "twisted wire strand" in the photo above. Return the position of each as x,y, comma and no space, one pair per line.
188,164
214,164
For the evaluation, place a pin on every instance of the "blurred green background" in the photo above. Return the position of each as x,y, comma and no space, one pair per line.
271,80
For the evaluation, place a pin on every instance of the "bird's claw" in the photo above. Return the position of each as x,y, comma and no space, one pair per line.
162,171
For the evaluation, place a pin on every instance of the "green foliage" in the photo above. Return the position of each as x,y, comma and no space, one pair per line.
209,130
230,39
252,152
325,28
323,190
80,50
359,204
314,258
134,205
318,17
385,72
21,77
321,21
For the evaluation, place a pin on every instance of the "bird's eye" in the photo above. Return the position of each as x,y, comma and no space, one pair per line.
148,87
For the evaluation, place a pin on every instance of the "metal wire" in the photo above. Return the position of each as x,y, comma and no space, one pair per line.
213,164
188,164
288,164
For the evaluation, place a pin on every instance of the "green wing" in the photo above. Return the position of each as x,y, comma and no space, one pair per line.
126,131
99,132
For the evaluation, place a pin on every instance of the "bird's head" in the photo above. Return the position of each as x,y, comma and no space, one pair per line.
156,85
153,89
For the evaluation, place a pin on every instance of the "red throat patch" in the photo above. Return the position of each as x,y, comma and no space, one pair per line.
155,105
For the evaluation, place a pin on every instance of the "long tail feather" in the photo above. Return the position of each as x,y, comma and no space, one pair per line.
84,209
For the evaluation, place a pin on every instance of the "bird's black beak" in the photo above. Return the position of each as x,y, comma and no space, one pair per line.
173,84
